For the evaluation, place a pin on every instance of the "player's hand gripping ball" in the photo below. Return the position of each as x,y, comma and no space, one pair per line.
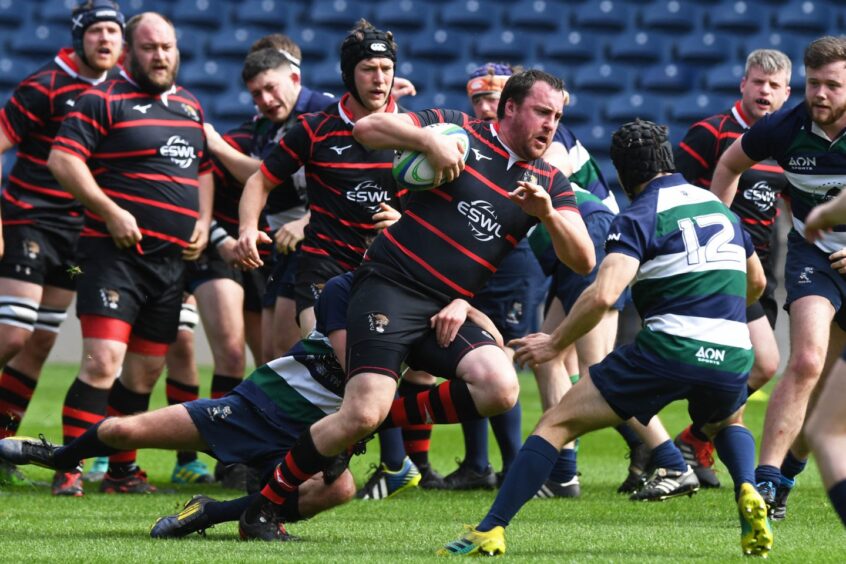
412,169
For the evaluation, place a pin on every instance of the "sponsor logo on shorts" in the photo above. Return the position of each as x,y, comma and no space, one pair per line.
482,219
515,313
179,151
614,236
710,355
31,249
378,322
805,275
219,412
111,298
368,195
316,289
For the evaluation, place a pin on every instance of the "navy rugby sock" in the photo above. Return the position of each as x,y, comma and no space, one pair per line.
16,389
526,476
767,473
87,445
632,439
391,451
837,495
667,455
506,429
791,467
736,447
476,444
565,466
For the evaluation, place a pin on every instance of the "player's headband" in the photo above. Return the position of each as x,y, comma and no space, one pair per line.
490,78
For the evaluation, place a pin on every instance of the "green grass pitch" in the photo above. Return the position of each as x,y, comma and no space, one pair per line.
601,526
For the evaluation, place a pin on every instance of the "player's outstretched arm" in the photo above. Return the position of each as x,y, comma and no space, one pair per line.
728,170
239,165
75,177
253,198
825,216
397,131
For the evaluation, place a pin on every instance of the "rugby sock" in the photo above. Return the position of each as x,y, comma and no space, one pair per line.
87,445
222,385
790,468
767,473
736,448
84,406
837,495
632,439
530,470
178,392
391,451
416,439
16,389
449,402
123,401
565,466
506,429
229,510
300,463
476,444
667,455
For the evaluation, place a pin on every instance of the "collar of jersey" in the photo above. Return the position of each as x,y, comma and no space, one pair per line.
674,179
737,112
163,96
512,156
64,60
346,115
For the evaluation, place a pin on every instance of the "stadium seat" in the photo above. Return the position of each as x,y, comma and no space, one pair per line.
207,14
57,12
14,69
775,39
503,44
724,78
669,78
439,99
235,104
670,16
609,15
402,14
41,40
706,47
469,15
573,48
601,77
13,13
581,110
690,108
337,13
326,76
738,17
276,15
596,137
316,43
208,74
637,48
189,43
437,43
626,107
454,75
421,73
233,42
554,68
536,16
804,16
133,7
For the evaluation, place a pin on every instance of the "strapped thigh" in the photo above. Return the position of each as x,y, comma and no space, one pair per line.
18,312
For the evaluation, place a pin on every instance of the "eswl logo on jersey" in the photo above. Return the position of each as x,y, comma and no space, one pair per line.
482,219
179,151
143,109
761,195
710,355
369,195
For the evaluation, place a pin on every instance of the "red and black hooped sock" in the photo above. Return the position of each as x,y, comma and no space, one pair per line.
84,406
123,401
222,385
16,389
177,393
416,438
300,463
449,402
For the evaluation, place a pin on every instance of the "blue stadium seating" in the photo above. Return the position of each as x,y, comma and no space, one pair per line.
13,13
601,77
724,78
201,13
804,16
233,42
706,47
326,76
454,75
402,14
421,73
581,110
670,78
575,47
535,16
596,137
626,107
670,16
209,74
317,43
40,39
341,14
439,99
234,105
693,107
13,69
56,12
739,16
437,43
636,47
276,15
468,15
611,15
189,44
503,44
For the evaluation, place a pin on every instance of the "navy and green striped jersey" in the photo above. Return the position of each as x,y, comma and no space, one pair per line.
586,172
690,288
814,164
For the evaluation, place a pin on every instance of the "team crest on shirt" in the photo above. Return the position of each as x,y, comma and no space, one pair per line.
31,249
378,322
482,219
368,195
179,151
192,113
110,298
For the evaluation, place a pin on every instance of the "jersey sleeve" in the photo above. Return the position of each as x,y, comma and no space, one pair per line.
27,109
561,192
292,151
694,157
428,117
84,128
626,236
331,308
759,142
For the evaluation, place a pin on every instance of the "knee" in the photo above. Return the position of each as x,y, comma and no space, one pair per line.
116,432
494,390
362,421
764,369
229,357
342,490
12,343
806,365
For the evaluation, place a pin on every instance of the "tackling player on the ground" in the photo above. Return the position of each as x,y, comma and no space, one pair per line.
692,270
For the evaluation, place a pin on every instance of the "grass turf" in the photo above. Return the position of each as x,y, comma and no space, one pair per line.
600,526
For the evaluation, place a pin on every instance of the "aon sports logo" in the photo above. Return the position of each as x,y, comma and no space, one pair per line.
710,356
179,151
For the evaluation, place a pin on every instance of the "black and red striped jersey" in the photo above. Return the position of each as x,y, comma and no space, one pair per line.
759,187
146,153
451,239
345,182
30,120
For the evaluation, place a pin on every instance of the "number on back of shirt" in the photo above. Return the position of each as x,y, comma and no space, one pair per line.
718,247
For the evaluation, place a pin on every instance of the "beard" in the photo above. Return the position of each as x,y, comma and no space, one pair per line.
835,113
146,82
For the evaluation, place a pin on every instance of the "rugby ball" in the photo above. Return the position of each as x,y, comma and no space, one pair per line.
412,169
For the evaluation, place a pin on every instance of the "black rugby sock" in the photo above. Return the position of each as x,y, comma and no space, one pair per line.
16,389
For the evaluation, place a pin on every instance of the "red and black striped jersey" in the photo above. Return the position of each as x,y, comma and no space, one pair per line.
146,153
759,187
30,120
451,239
345,182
